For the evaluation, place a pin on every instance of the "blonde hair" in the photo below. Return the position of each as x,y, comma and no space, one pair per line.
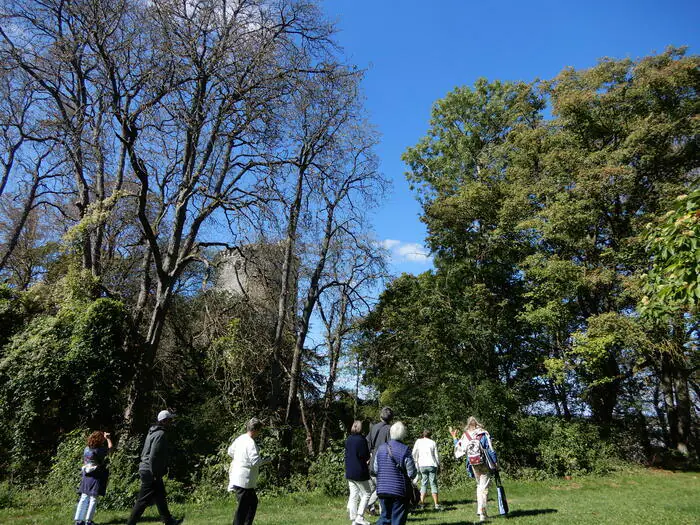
472,424
356,427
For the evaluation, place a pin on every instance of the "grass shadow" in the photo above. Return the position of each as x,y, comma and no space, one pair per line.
121,521
532,512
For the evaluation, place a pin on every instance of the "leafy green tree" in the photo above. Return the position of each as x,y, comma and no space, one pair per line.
673,282
537,226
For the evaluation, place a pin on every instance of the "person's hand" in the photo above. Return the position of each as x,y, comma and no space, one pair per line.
107,435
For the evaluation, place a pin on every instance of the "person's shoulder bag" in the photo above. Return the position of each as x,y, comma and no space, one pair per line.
412,493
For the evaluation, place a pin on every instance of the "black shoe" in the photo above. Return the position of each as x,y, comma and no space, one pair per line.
176,521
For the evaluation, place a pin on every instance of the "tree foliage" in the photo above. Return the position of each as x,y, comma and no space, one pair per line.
538,226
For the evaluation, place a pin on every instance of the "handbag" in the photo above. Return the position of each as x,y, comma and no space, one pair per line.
412,493
502,500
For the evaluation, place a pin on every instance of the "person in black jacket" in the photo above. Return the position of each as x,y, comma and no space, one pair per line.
357,474
378,435
154,460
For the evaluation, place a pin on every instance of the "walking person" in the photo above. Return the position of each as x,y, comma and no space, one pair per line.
94,476
427,460
378,435
154,460
357,474
482,462
395,468
243,473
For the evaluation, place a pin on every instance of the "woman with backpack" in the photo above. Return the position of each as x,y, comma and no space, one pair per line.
475,445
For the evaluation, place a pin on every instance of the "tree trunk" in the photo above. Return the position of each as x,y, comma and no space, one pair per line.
307,428
603,398
136,415
309,305
283,301
19,225
666,381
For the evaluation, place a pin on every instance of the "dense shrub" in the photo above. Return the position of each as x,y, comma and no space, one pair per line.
123,474
8,495
11,314
211,477
61,372
327,472
64,476
575,448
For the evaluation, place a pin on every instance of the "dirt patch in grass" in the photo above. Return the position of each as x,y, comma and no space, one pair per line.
662,472
570,486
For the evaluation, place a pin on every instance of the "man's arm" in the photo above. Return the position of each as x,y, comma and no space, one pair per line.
254,458
156,457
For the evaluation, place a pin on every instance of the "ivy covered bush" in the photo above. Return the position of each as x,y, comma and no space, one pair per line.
63,371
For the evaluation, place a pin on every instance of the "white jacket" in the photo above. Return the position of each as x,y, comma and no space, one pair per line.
425,453
245,464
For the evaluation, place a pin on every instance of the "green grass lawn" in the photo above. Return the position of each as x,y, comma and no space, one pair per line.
633,497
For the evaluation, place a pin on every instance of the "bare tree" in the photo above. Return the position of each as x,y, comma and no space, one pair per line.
357,268
318,114
195,103
346,187
29,168
46,42
168,119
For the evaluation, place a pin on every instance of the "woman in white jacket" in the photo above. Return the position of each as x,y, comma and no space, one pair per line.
427,460
244,470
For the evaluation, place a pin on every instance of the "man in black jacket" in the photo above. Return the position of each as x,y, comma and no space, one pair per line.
154,460
378,435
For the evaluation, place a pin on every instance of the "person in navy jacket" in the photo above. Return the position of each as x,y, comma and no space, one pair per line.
395,468
357,473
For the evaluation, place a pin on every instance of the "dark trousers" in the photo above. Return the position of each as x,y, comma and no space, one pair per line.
152,491
394,511
247,506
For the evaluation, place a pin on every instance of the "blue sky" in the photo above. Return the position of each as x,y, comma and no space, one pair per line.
416,52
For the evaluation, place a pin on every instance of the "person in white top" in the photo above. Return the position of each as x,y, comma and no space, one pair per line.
244,471
427,460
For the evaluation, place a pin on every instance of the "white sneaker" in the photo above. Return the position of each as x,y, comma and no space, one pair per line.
361,521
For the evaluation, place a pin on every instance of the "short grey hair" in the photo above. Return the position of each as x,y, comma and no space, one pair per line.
398,431
356,427
253,425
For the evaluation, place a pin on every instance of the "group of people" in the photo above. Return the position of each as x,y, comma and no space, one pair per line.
243,473
380,468
152,468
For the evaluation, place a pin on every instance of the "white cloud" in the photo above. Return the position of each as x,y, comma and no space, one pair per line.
407,252
388,244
